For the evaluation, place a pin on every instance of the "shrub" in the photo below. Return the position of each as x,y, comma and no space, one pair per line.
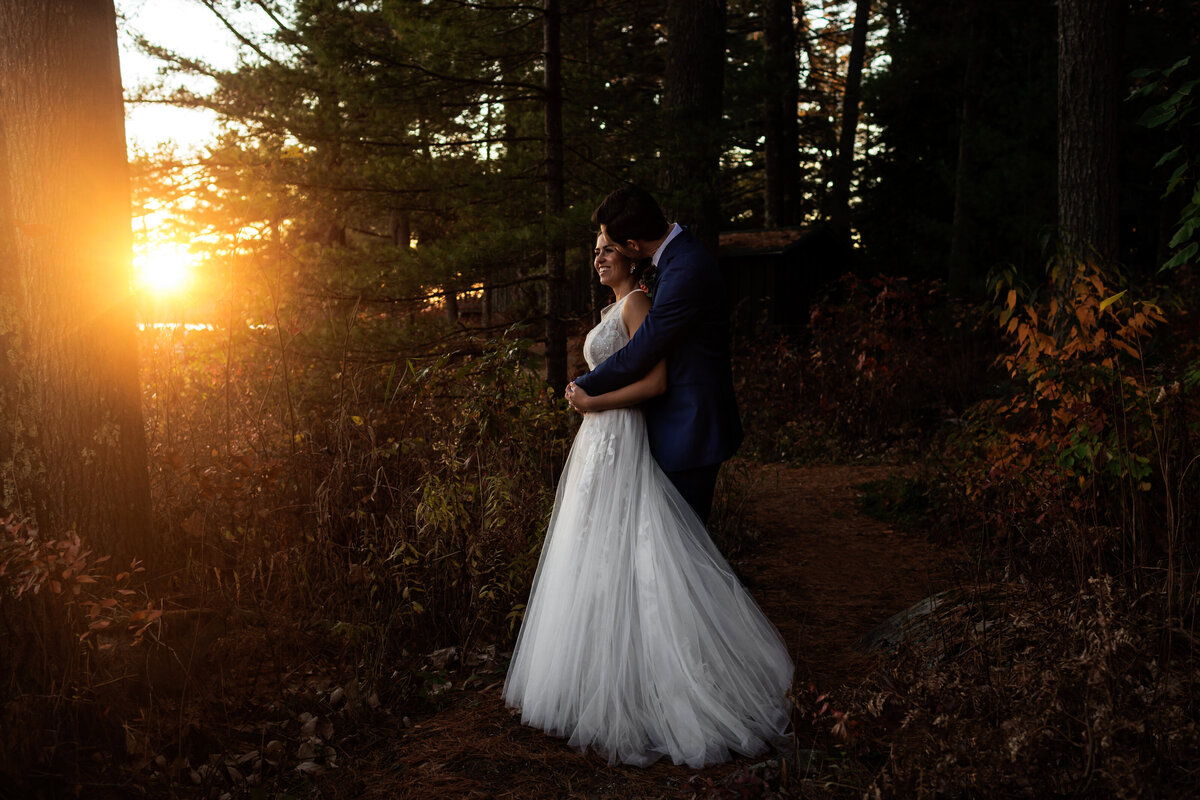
69,625
438,503
403,507
1080,462
1026,692
885,361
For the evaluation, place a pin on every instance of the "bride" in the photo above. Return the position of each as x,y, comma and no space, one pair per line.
638,640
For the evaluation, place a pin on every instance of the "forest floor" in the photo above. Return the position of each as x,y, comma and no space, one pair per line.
823,572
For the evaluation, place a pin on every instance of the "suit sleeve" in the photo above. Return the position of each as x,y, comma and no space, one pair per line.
676,307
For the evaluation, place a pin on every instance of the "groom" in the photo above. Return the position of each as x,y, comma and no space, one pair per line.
694,425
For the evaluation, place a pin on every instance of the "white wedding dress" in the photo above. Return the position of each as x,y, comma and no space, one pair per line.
638,640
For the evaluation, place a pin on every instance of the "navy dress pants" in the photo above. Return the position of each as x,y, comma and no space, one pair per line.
697,486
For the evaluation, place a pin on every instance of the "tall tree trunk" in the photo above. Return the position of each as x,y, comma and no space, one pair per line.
401,225
68,191
780,106
1087,126
960,271
22,476
692,99
556,257
843,172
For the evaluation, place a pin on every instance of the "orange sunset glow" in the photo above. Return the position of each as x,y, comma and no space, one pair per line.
163,269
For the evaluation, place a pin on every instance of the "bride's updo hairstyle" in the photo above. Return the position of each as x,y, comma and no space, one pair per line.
630,213
638,267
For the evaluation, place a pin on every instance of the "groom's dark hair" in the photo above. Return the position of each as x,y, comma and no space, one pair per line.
630,213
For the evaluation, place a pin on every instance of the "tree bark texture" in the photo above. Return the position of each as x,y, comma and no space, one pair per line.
401,225
556,257
692,100
22,486
781,103
1087,126
960,267
68,267
843,168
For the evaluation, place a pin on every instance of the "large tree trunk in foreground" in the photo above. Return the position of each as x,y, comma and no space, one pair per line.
66,274
1087,126
692,100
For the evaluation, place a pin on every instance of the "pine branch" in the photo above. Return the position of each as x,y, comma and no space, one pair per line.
274,18
211,5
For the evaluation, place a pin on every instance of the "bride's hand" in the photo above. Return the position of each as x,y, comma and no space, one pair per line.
578,399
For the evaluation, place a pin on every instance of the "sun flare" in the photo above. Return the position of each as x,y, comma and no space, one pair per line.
164,269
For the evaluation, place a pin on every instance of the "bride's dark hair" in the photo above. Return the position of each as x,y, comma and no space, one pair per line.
643,271
638,267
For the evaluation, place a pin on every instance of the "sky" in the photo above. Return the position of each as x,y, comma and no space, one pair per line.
188,28
164,267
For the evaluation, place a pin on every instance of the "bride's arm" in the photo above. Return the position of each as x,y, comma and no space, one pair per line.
636,393
654,383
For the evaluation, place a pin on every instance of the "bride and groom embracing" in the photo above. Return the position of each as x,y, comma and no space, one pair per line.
638,639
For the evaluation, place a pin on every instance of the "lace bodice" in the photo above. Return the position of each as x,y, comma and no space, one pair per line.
608,337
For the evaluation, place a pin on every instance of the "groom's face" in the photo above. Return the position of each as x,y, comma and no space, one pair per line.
631,248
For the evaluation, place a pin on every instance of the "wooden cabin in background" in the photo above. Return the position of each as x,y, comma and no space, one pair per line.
774,275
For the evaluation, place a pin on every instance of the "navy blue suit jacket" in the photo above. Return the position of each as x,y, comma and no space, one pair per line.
695,423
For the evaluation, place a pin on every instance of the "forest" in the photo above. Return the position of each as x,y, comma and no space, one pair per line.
272,535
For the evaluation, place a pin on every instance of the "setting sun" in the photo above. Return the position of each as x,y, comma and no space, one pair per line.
164,269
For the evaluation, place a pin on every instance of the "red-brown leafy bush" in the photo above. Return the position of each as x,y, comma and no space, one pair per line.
1071,668
1081,463
884,360
68,624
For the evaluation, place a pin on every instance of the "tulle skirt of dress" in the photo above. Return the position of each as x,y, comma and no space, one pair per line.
638,640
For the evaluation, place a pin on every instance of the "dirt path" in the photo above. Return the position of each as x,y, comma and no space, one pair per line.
824,574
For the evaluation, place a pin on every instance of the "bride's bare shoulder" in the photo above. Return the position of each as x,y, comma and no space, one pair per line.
637,306
637,300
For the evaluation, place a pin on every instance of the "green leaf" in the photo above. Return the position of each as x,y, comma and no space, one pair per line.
1174,101
1182,257
1157,116
1180,63
1144,91
1176,178
1185,232
1169,156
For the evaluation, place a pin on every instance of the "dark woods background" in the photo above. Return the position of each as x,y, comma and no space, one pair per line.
967,244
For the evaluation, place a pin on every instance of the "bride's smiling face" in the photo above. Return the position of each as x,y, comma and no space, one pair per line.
611,266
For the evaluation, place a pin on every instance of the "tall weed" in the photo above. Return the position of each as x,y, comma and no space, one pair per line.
400,507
